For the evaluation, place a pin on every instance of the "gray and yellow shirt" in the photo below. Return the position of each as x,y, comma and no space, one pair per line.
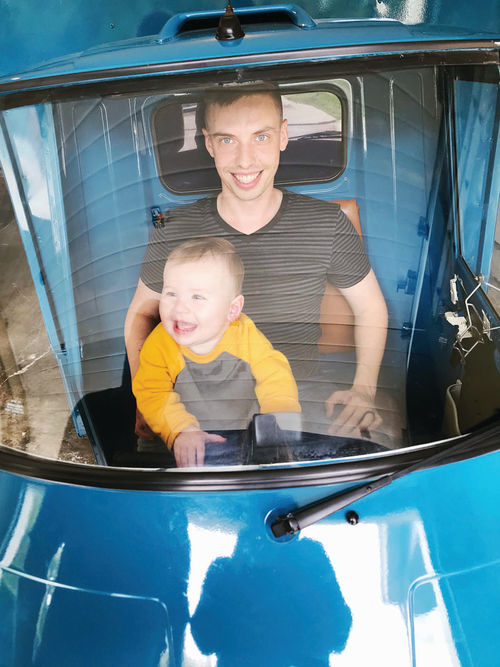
243,375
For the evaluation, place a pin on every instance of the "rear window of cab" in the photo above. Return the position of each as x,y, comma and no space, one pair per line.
316,152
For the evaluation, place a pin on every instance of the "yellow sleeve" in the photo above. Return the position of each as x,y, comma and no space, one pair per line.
275,385
153,387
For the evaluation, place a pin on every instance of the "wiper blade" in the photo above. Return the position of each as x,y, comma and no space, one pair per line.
291,523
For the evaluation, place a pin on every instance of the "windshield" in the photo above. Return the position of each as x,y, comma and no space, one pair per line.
273,273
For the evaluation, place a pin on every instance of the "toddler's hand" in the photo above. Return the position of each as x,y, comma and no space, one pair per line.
189,446
142,430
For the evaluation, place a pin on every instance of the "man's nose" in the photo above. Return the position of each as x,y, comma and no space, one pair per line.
246,154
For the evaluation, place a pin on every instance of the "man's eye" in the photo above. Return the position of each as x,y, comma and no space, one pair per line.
226,140
262,137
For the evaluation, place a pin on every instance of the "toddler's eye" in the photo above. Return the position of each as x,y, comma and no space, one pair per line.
169,293
199,297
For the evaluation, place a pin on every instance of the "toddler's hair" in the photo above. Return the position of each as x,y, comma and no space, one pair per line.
192,251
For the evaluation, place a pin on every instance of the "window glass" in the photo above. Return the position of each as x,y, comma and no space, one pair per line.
35,415
105,188
316,151
494,272
476,122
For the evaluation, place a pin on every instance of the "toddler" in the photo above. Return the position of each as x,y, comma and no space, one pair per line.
206,367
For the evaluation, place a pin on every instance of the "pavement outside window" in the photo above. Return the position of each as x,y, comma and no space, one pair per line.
34,411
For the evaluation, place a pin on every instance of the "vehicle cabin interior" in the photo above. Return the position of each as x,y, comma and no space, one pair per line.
410,154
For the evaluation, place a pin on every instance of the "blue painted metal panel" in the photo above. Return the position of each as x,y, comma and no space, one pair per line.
59,29
202,45
397,585
141,624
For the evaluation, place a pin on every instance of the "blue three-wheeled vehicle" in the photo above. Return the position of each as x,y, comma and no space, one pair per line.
349,153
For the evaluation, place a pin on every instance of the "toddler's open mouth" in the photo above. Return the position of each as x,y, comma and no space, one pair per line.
182,328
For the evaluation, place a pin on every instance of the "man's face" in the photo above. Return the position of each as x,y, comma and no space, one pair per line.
245,140
197,302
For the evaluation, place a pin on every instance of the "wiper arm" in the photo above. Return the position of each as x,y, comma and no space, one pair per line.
291,523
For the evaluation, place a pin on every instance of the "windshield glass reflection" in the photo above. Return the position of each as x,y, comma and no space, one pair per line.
245,275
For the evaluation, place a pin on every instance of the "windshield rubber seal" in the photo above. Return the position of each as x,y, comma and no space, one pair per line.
482,441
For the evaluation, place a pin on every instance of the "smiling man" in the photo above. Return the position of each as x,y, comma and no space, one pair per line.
244,136
291,246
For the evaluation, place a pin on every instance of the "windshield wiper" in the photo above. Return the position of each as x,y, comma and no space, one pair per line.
291,523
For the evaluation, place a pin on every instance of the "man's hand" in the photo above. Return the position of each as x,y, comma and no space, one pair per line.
142,430
358,416
370,318
189,446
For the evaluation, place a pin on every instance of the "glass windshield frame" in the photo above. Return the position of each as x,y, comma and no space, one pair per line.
356,467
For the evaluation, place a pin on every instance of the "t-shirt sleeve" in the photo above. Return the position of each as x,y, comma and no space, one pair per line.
153,387
349,263
154,260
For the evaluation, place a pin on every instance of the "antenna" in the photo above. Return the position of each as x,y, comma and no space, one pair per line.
229,26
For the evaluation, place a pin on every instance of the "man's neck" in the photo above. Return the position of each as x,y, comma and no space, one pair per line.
249,216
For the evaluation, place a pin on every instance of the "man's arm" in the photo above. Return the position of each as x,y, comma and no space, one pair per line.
142,317
370,332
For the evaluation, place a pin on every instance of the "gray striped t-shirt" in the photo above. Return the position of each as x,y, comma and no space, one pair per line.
287,263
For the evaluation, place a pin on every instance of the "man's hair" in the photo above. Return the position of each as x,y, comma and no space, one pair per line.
226,95
196,249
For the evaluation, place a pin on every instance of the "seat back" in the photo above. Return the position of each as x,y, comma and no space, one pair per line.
336,316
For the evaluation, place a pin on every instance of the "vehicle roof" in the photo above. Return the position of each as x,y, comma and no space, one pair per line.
367,35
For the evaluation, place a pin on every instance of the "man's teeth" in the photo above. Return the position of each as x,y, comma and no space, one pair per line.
246,178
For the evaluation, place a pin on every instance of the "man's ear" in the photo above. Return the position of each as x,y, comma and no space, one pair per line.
208,142
284,135
236,307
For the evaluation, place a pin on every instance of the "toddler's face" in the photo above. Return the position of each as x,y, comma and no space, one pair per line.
198,303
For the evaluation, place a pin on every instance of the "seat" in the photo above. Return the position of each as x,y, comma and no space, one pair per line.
336,316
